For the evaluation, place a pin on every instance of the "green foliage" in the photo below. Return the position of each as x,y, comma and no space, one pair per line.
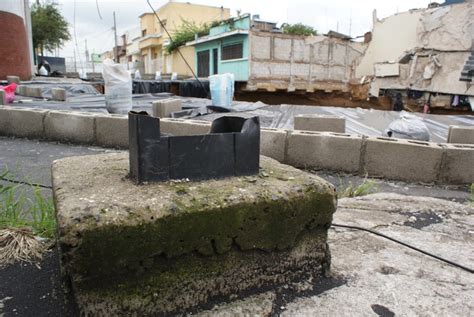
367,187
50,29
298,29
186,32
26,207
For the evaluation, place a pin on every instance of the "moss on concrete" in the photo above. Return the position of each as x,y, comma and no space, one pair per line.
186,241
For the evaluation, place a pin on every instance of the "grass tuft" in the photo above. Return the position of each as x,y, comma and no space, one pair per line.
26,207
367,187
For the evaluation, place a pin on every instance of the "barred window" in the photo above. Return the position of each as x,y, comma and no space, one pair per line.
233,51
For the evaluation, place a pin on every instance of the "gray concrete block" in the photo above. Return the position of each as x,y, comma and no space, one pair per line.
273,143
112,130
21,90
77,127
34,92
22,122
458,164
332,151
3,99
184,127
13,79
164,108
461,134
58,94
320,123
413,161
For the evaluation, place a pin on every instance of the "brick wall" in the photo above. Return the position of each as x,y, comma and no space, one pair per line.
14,51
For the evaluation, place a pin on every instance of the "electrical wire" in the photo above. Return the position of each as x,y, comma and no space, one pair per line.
13,181
98,10
179,51
470,270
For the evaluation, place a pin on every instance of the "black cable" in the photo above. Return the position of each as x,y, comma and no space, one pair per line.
98,10
13,181
406,245
179,51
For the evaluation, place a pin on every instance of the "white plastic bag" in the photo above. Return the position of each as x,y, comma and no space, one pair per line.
158,76
174,76
138,76
118,87
42,71
408,127
222,89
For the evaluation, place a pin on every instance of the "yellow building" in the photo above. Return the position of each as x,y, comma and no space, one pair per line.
154,38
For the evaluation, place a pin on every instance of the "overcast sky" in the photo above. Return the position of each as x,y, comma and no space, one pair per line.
354,17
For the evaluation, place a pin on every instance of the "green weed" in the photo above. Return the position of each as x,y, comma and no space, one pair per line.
367,187
26,207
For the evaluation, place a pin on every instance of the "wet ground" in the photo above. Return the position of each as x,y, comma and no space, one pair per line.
28,290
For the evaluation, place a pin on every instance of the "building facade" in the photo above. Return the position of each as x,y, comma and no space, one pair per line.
260,55
154,39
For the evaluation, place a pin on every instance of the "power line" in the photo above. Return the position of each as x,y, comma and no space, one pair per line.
179,51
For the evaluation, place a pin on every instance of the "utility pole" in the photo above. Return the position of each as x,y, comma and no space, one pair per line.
115,41
75,63
87,53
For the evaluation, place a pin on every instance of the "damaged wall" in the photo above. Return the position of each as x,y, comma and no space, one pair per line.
281,61
437,45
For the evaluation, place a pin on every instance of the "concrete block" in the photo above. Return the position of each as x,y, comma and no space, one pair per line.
22,122
184,127
21,90
461,134
3,99
165,249
273,143
320,123
405,160
458,164
112,130
13,79
331,151
164,108
34,92
58,94
70,126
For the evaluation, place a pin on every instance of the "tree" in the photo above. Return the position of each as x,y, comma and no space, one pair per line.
50,29
185,33
298,29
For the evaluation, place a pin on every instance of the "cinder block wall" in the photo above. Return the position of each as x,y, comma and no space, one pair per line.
405,160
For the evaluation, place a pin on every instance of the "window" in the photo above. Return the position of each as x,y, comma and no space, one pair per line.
144,33
233,51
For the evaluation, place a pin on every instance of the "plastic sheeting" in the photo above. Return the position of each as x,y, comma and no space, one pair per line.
186,88
358,121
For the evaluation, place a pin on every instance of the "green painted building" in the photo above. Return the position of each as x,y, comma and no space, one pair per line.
225,49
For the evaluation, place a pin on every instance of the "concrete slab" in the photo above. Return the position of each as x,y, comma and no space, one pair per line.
172,247
332,151
320,123
67,126
58,94
461,134
458,164
13,79
386,279
273,143
112,130
184,127
164,108
22,122
3,99
402,160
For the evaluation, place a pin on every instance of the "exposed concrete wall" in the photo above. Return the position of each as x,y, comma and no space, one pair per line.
404,160
430,47
280,61
390,38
